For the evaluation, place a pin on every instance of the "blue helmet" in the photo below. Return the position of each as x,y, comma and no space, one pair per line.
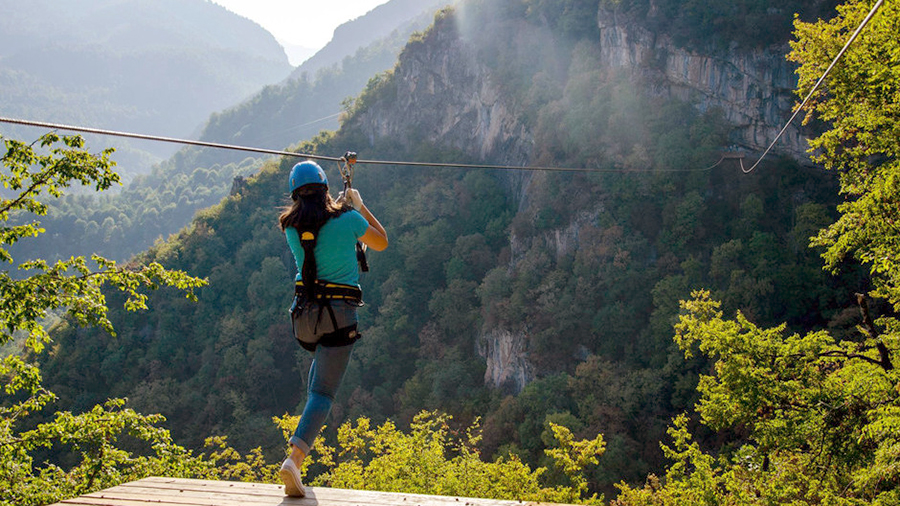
307,172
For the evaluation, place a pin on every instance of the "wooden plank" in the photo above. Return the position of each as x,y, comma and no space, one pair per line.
204,483
333,494
189,492
231,487
187,497
109,501
326,494
335,497
175,492
164,501
193,492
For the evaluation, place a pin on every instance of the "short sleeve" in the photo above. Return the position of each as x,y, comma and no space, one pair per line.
358,225
293,238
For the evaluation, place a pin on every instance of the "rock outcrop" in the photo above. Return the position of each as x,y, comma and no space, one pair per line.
441,93
507,359
754,89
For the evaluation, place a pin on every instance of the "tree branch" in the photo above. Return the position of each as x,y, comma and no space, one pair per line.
29,192
885,361
839,353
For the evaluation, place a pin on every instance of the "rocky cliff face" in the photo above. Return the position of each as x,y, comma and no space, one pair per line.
442,93
753,89
507,359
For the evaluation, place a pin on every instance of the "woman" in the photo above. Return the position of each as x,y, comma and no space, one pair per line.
339,226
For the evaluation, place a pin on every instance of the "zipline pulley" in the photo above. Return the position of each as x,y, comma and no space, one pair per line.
345,166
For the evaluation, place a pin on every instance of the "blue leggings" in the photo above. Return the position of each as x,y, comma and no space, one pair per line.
325,376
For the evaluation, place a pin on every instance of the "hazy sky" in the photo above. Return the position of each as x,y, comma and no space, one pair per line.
307,23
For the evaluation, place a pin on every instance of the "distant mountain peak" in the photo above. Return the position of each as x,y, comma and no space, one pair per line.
361,32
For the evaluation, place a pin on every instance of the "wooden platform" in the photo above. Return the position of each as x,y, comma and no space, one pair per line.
183,492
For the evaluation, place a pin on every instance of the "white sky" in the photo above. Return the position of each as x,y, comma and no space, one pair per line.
307,23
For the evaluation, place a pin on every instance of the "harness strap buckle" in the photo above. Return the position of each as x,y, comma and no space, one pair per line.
331,291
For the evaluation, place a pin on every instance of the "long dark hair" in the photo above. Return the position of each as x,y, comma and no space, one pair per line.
311,207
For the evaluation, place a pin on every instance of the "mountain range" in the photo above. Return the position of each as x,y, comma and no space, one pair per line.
161,198
156,67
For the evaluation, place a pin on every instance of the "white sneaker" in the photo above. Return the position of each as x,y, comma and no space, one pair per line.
290,476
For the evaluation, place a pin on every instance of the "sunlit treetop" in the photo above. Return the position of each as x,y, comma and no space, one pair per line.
860,104
32,173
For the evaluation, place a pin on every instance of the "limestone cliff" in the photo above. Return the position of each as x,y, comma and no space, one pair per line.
507,358
753,89
441,93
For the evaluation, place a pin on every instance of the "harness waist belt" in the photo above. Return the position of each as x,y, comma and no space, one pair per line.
333,291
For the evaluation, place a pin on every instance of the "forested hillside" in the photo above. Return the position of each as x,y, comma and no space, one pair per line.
160,203
520,298
156,67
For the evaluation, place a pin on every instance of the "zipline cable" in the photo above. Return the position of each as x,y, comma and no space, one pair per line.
275,135
99,131
818,83
173,140
528,168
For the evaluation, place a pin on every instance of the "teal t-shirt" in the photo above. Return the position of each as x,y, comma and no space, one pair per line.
335,248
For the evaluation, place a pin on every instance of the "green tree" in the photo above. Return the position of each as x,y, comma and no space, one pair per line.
861,105
32,172
430,460
821,415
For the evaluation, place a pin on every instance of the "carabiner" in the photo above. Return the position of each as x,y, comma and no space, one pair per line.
346,169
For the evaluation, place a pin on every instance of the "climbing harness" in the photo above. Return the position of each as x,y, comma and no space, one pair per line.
313,297
345,166
332,291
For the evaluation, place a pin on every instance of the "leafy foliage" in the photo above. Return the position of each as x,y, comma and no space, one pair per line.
860,104
431,460
76,287
70,284
819,411
818,415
